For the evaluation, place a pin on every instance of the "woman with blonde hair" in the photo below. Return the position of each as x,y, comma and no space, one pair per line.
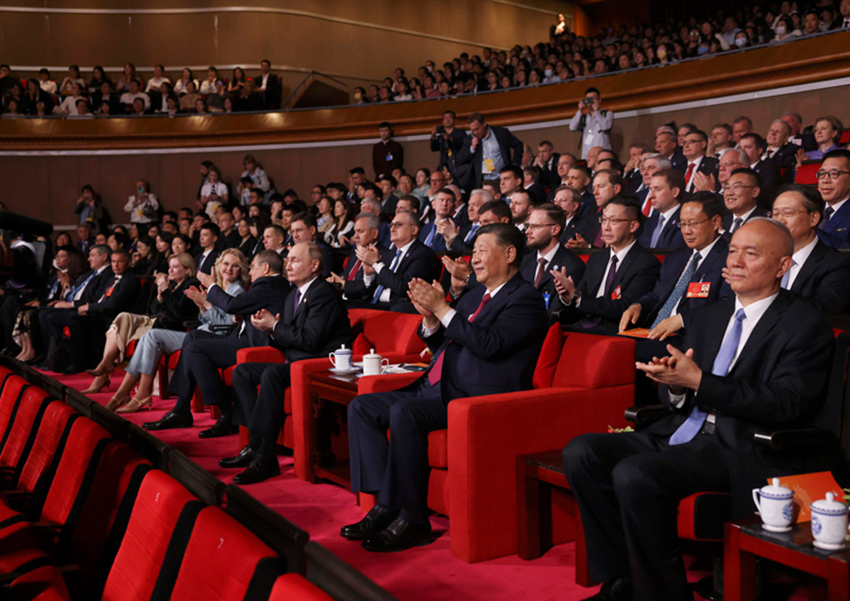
170,309
231,274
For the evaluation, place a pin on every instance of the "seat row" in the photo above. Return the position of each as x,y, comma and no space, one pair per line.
85,515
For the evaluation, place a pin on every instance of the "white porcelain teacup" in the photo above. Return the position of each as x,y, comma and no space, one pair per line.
373,364
829,522
341,359
776,506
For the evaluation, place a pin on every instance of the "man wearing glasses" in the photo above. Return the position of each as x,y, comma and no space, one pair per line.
834,187
740,193
694,148
614,279
817,272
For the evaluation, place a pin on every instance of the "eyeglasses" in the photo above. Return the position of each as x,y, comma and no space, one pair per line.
536,226
831,174
397,224
611,220
738,187
787,213
689,225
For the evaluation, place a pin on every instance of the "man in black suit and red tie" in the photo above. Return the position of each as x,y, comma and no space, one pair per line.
615,278
758,360
694,148
488,344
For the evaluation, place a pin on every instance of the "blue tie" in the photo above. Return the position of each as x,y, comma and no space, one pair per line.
656,234
675,296
787,277
380,289
471,233
691,427
430,239
81,286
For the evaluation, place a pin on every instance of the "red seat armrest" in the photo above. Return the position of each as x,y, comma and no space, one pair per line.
260,354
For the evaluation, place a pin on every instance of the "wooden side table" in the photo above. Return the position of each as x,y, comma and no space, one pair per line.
745,540
330,395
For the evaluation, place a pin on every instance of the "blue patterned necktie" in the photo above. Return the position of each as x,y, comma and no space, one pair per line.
691,426
787,277
679,291
656,234
380,289
81,286
430,239
471,233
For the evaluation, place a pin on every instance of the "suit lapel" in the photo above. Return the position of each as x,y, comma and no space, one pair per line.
762,330
627,264
495,305
809,268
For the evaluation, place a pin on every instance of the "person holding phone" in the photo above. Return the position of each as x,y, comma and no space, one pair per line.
593,123
142,206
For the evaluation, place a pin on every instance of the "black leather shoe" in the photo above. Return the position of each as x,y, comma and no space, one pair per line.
73,369
616,590
259,470
170,421
222,427
398,536
378,518
241,459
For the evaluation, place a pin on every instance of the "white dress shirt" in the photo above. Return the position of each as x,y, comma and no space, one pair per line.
799,259
367,279
620,256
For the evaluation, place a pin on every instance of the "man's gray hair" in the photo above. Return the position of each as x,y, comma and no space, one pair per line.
486,195
412,219
782,230
743,159
373,222
661,161
375,204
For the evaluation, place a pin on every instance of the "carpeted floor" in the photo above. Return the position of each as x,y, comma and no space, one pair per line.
423,573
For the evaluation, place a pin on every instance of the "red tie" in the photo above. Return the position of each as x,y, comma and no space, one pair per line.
647,206
541,269
688,173
437,370
353,273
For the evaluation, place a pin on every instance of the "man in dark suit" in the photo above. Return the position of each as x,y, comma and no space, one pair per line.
313,323
411,259
569,201
303,228
204,353
607,184
488,344
463,239
666,145
387,154
353,278
84,232
614,279
268,85
441,208
565,162
834,187
207,238
92,318
447,140
780,151
661,230
649,166
690,278
543,233
818,272
754,145
694,148
759,360
229,237
487,150
739,195
531,182
547,161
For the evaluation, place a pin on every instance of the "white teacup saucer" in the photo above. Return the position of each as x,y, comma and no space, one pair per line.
828,546
776,528
344,372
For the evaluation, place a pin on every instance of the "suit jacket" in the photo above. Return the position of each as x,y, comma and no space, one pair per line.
231,240
671,235
770,181
272,94
707,166
95,288
356,289
122,297
709,271
836,231
460,243
563,258
267,293
577,225
634,277
448,149
495,353
331,259
786,158
419,262
549,177
319,325
633,181
538,191
247,247
206,265
175,307
778,380
729,218
825,279
509,145
679,162
438,243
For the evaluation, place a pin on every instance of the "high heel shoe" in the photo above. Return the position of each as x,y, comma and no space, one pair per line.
135,405
118,401
99,384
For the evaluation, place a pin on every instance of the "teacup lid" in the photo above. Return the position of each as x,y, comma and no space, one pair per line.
342,349
372,354
830,505
775,489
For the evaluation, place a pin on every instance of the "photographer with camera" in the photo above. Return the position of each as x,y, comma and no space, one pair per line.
142,205
447,140
593,123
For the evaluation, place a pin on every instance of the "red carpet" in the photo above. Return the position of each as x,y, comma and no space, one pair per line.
422,573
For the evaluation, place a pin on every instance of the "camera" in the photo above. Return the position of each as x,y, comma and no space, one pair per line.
441,130
587,101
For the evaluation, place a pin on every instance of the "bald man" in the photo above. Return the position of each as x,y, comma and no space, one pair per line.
757,360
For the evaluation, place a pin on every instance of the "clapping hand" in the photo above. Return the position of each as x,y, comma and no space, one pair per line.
368,255
679,371
564,285
264,321
704,183
205,279
429,300
577,242
459,270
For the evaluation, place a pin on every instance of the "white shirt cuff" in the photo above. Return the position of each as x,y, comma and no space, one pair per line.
447,318
378,267
677,400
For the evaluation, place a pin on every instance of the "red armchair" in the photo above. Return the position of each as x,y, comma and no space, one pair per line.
582,383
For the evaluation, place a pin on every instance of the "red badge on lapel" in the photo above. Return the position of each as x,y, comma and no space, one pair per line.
699,289
617,294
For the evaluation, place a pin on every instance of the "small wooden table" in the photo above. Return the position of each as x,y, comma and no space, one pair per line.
330,395
745,540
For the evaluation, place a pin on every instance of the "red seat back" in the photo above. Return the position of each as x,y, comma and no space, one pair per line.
23,429
385,331
224,560
13,389
41,584
82,451
51,431
806,174
845,138
156,514
294,587
589,361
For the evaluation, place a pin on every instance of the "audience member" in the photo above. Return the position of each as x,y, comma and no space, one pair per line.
666,192
594,123
834,186
489,149
387,154
740,193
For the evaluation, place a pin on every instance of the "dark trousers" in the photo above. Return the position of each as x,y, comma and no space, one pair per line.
87,333
397,469
262,413
9,309
628,488
202,355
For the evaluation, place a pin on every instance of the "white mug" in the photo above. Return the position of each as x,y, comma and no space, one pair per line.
341,359
829,522
373,364
776,506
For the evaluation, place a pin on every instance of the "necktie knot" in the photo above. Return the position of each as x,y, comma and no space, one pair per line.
697,257
740,315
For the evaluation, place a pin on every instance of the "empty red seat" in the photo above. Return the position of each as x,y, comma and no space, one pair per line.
22,432
806,174
294,587
42,584
224,560
13,388
163,509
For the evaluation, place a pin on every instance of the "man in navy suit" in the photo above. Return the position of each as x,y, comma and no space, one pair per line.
615,278
489,344
353,278
208,239
690,278
569,201
739,195
487,150
650,165
666,145
410,259
442,207
780,151
754,145
204,353
543,232
313,323
818,272
463,239
304,229
661,230
834,187
760,360
696,142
